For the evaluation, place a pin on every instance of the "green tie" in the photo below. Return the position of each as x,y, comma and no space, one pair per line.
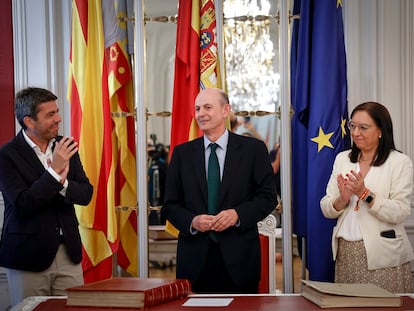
213,180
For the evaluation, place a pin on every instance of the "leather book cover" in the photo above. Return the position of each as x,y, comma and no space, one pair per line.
128,292
330,295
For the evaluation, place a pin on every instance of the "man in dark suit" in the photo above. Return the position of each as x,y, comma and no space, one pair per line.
227,261
41,178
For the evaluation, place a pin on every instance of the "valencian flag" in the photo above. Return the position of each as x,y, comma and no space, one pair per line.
100,84
319,132
196,68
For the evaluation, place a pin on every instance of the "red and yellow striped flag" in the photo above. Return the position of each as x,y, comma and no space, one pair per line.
196,67
100,82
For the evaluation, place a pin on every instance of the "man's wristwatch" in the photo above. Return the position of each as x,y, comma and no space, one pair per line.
368,199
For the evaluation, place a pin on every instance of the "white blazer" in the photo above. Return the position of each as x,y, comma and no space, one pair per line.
392,184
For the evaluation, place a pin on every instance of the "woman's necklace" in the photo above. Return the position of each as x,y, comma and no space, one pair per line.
363,158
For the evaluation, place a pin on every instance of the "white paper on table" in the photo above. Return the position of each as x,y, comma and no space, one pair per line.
207,302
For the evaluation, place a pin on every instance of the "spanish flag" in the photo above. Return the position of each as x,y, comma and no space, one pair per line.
100,93
196,67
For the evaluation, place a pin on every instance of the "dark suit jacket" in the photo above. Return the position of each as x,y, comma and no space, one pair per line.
35,212
247,186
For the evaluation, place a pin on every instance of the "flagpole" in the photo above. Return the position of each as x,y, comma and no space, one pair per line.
220,40
285,148
141,143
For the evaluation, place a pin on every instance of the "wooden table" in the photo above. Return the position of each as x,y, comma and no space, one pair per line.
240,303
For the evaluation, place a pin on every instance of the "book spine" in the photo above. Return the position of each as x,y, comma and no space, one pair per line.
165,293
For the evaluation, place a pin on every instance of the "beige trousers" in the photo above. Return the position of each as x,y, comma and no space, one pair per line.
53,281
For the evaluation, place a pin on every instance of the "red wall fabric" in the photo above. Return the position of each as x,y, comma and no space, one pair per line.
7,119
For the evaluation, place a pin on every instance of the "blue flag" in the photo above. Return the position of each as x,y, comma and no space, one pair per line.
319,131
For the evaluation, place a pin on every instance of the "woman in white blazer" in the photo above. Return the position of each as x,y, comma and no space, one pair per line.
369,191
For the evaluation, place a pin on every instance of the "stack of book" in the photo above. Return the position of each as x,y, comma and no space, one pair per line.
128,292
339,295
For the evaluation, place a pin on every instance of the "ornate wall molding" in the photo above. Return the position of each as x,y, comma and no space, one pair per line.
379,41
41,40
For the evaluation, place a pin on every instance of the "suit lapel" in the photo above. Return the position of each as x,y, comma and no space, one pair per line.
197,158
22,147
231,168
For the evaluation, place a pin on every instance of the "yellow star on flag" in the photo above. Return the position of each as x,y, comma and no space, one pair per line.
322,139
343,130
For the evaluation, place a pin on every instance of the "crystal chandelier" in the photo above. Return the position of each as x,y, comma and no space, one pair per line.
252,81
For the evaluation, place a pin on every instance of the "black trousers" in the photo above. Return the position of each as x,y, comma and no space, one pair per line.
215,278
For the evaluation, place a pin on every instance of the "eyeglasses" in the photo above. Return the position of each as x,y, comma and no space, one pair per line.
362,127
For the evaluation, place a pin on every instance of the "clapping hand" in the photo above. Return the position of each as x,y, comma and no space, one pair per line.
64,150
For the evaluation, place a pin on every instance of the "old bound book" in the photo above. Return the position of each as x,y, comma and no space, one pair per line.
157,232
128,292
339,295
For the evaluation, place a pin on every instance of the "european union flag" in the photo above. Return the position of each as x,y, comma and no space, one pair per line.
319,132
